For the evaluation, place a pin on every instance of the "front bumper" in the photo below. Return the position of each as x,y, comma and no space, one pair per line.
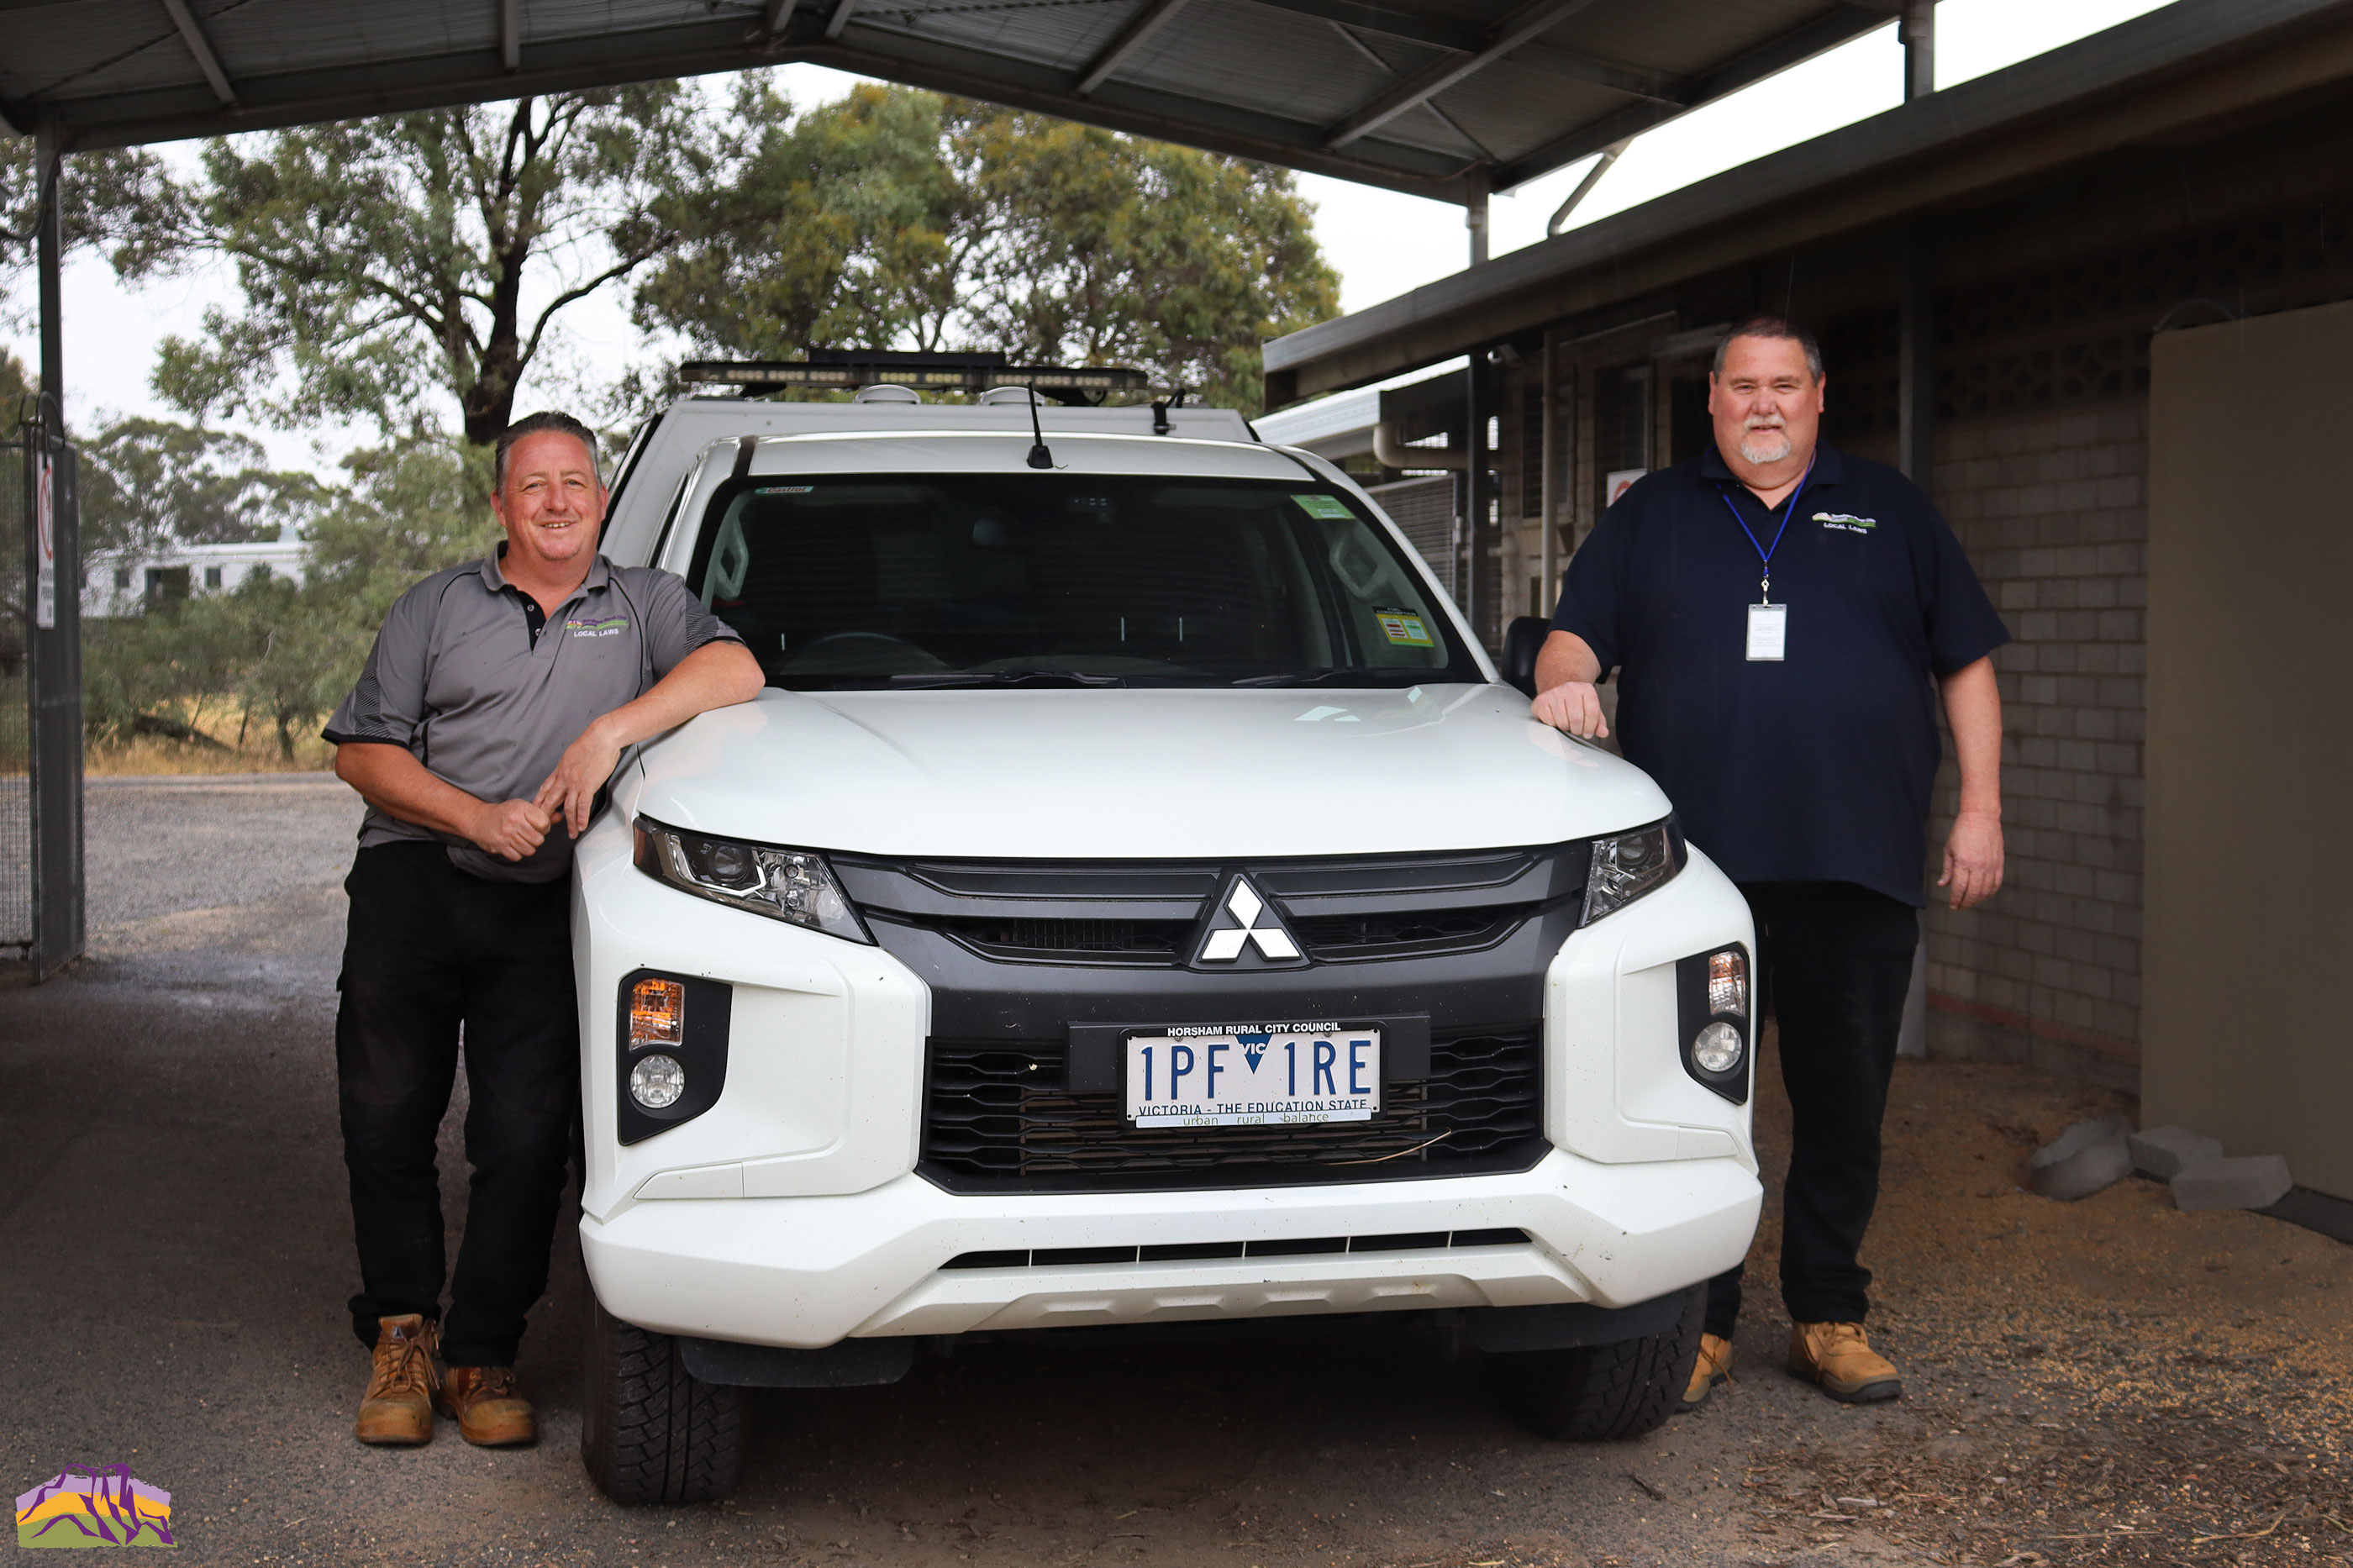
813,1270
790,1213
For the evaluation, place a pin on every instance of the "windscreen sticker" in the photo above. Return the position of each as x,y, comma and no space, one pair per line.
1405,628
784,490
1325,506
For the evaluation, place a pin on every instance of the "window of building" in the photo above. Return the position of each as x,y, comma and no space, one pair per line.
212,576
122,579
1622,424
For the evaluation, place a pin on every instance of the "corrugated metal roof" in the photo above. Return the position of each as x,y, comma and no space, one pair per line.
1440,100
2162,76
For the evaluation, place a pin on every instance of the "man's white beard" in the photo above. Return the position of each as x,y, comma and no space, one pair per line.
1755,450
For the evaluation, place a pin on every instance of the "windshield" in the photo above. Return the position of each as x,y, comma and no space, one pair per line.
897,581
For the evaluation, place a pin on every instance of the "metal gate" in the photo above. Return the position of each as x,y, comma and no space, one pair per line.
16,479
40,701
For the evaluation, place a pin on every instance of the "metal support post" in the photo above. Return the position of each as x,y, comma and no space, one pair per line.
1481,580
1916,405
1548,501
54,640
1917,29
1474,212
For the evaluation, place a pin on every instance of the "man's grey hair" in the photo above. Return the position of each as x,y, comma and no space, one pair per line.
1780,327
531,425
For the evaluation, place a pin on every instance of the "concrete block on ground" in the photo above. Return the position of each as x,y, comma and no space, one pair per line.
2249,1182
2080,1160
2165,1152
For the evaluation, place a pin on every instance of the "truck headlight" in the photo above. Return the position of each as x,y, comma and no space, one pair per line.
791,885
1627,865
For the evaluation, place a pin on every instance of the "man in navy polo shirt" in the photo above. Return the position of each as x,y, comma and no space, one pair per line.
1784,618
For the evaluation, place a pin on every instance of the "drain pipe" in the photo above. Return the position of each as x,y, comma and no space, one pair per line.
1610,155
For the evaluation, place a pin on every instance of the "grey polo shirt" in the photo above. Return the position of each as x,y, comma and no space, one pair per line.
465,676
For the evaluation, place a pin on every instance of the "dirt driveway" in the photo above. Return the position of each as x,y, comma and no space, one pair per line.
2106,1382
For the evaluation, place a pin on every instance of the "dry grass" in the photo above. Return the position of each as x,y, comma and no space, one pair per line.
258,753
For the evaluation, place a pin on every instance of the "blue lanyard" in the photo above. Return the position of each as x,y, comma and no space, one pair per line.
1765,552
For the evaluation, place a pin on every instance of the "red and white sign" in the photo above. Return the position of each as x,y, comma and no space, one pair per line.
1618,483
45,533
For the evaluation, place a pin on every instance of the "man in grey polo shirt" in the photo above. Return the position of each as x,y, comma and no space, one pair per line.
491,712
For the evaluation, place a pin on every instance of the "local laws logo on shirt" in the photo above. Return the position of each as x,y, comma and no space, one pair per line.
612,626
1846,521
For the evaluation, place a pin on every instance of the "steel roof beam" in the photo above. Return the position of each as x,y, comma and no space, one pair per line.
1791,48
1154,16
511,34
840,17
1439,34
201,47
777,17
1524,26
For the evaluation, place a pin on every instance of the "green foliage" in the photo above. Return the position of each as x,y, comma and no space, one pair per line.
284,652
15,393
385,263
895,218
106,194
146,482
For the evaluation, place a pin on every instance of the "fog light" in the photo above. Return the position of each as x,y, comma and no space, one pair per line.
657,1081
1716,1048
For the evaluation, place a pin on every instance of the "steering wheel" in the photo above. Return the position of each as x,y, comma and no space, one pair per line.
873,646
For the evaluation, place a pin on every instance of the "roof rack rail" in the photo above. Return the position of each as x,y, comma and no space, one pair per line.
846,369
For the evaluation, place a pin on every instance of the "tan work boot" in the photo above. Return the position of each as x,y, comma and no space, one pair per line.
398,1409
1839,1357
492,1412
1714,1366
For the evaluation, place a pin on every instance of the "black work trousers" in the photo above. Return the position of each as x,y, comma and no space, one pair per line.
1834,961
434,953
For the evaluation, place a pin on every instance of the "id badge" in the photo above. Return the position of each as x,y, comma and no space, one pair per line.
1768,632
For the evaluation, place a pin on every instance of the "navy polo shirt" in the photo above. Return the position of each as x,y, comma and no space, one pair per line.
1817,768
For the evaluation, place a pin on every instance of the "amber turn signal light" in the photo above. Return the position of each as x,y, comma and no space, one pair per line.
657,1012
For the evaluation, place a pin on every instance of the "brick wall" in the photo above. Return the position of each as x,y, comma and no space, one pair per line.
2051,510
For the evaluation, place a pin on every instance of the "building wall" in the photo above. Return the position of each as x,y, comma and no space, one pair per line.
2052,509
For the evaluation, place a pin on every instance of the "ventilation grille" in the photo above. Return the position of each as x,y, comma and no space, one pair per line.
997,1118
1192,1251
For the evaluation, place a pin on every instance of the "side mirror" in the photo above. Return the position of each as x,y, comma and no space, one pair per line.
1523,640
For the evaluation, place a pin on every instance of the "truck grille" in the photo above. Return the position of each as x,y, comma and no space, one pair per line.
997,1118
1148,914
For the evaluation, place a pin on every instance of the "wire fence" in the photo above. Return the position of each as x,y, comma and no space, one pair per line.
16,738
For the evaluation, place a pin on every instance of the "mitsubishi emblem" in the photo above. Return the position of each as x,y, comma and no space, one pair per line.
1254,924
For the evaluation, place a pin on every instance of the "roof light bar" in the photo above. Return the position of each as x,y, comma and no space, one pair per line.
936,373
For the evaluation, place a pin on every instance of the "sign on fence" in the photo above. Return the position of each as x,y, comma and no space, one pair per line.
45,538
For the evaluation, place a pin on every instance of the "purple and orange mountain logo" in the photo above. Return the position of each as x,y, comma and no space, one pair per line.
81,1507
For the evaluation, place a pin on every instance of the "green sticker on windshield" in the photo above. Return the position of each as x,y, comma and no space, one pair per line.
1405,628
1323,506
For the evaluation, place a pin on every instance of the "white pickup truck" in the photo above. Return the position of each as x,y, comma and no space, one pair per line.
1135,900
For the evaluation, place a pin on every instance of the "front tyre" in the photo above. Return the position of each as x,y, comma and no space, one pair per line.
652,1431
1598,1392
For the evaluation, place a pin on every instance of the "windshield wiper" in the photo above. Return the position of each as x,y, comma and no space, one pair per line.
1355,676
1005,677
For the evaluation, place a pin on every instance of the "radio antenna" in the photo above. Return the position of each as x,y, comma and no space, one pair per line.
1039,458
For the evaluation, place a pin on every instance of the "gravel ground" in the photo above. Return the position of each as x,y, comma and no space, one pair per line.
157,846
2104,1382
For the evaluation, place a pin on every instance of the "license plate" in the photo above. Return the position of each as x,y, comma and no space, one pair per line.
1253,1074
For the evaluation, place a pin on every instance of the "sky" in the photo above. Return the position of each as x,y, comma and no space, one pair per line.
1382,243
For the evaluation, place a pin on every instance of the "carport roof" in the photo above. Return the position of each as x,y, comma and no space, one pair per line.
1439,98
2167,77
